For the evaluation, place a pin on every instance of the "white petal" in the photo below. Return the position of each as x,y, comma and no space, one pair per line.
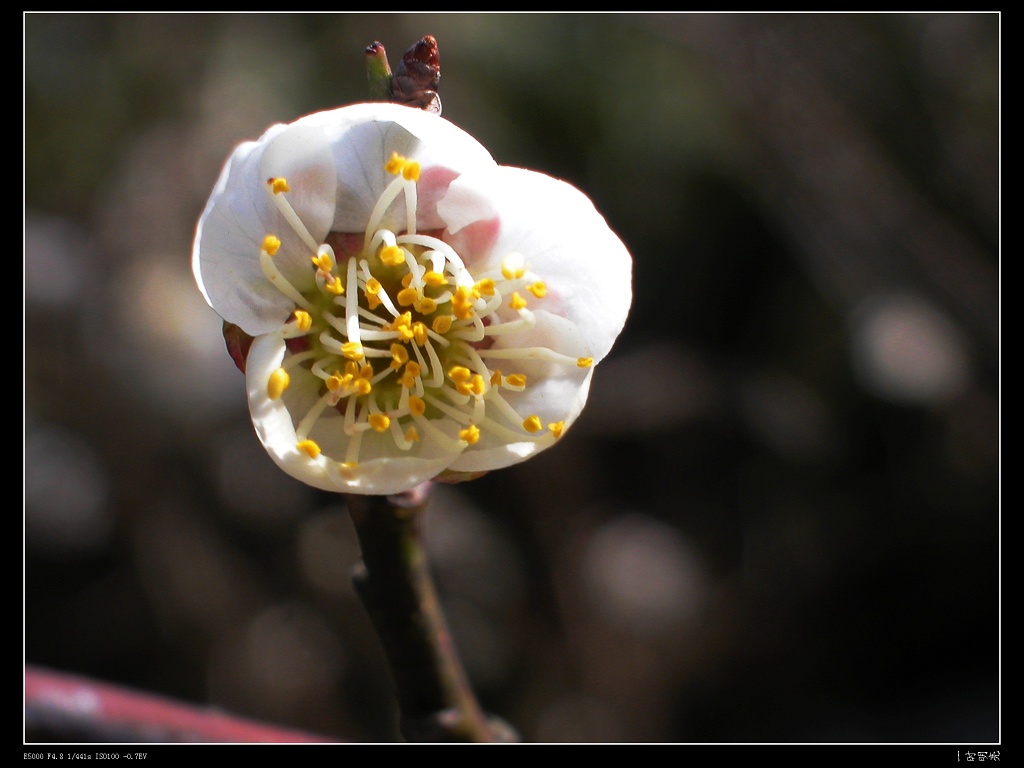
554,391
385,477
334,164
562,237
241,212
382,467
272,419
362,138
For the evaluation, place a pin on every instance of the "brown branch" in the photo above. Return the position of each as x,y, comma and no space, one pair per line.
395,585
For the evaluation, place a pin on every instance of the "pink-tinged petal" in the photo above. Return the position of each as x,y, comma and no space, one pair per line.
362,138
562,238
475,238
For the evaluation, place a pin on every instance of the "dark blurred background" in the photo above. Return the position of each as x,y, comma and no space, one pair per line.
777,520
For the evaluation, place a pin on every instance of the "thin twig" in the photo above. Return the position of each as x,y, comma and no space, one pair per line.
395,584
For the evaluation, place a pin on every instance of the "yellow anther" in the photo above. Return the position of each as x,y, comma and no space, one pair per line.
470,434
425,305
585,362
467,383
409,376
395,163
517,301
412,435
460,374
379,422
361,386
411,170
442,324
336,381
334,285
309,447
496,378
533,424
407,279
416,405
538,289
372,293
278,185
351,369
434,279
407,296
419,333
512,273
483,287
399,356
512,267
278,383
366,371
462,303
392,255
353,350
516,381
557,428
323,261
271,244
402,325
303,319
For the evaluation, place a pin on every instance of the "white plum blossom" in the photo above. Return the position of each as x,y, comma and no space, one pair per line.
417,310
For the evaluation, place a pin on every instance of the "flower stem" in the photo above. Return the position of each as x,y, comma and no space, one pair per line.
394,582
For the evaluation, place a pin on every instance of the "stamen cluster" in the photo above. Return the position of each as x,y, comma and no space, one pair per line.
398,333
